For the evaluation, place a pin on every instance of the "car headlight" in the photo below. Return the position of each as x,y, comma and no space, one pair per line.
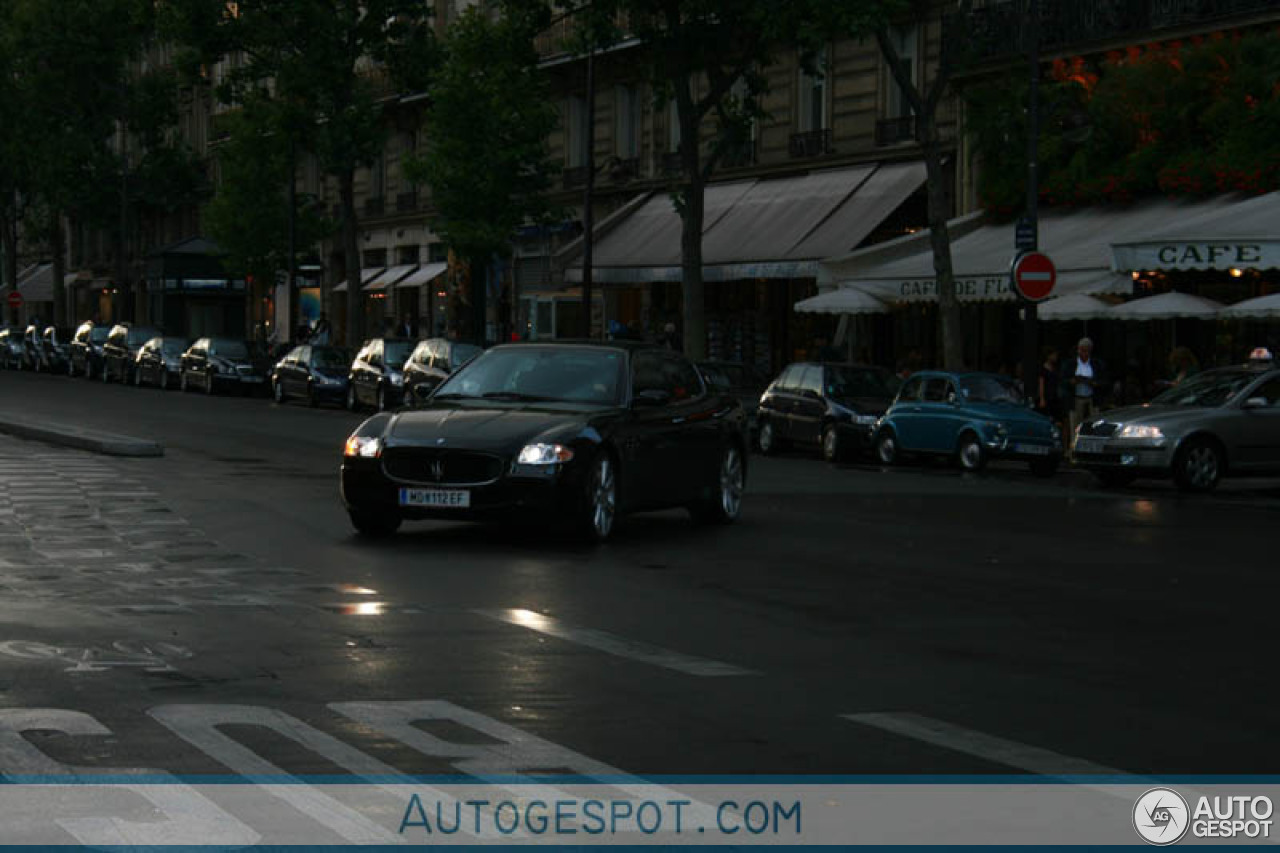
395,378
1140,431
364,446
543,454
1055,432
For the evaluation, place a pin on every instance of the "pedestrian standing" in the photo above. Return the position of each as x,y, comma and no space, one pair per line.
1049,388
1085,377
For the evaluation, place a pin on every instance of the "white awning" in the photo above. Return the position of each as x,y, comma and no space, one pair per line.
35,283
388,277
842,300
1263,307
1078,240
779,228
1239,234
423,274
1166,306
366,276
1074,306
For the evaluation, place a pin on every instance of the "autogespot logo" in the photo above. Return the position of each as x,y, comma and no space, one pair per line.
1160,816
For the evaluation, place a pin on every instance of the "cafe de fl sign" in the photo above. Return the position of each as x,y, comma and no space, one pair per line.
1196,255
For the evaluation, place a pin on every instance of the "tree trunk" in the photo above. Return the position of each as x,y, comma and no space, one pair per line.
695,317
9,235
59,317
944,274
478,278
354,332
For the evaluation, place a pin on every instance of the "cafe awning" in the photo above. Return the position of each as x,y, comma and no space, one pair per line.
1073,306
1166,306
366,276
778,228
423,275
1241,233
1261,308
388,277
35,283
1078,240
842,300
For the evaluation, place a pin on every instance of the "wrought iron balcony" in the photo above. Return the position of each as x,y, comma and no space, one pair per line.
998,29
891,131
811,143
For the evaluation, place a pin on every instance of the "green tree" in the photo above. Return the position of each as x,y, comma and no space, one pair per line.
489,117
331,61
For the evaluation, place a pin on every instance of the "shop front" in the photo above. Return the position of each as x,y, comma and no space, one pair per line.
190,293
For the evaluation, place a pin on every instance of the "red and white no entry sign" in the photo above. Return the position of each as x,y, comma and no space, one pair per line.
14,299
1034,276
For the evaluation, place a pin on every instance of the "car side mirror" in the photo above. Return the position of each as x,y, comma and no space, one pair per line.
651,397
1255,403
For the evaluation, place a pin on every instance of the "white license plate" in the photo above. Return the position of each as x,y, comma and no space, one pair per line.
1090,444
1031,449
251,379
447,498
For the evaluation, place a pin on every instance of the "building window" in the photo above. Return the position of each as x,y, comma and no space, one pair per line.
906,41
378,176
626,122
811,96
407,255
577,133
437,253
374,258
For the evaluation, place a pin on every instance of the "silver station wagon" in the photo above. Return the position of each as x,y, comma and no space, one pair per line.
1217,423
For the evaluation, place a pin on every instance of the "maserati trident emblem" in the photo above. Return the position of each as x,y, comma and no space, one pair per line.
437,469
439,441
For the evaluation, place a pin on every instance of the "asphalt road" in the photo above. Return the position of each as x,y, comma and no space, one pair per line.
855,621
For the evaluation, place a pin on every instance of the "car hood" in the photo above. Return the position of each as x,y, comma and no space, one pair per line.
865,405
493,428
331,372
1005,413
1158,415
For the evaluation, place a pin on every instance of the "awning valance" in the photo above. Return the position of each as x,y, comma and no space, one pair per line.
1079,241
366,276
423,274
388,277
779,228
1242,234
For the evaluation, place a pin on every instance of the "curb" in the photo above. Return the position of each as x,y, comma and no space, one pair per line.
110,444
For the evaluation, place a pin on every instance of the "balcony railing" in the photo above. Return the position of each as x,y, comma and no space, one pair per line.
407,202
374,206
999,29
811,143
891,131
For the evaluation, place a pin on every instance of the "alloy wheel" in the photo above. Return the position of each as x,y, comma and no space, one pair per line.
766,438
830,444
277,391
971,457
603,496
1201,467
887,448
731,483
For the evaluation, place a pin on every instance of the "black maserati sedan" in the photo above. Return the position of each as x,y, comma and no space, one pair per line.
430,363
159,362
86,350
579,432
314,372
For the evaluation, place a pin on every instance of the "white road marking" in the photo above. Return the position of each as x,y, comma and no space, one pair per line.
1010,753
615,645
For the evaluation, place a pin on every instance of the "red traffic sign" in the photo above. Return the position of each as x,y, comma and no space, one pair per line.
15,299
1034,276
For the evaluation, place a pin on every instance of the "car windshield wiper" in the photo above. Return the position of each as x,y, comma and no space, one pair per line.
453,395
518,397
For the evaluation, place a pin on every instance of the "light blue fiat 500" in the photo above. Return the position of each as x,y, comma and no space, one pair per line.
971,417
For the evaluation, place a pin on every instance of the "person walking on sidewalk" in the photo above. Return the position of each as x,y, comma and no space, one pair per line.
1085,377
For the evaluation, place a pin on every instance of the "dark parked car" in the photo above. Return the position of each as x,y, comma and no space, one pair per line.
317,373
86,350
12,349
55,349
31,347
376,377
120,351
431,363
971,417
582,432
834,407
213,363
160,362
1217,423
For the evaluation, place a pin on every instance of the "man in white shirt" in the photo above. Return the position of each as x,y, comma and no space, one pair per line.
1084,377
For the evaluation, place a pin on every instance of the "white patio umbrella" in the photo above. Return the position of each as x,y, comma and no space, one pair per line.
1166,306
842,300
1076,306
1261,308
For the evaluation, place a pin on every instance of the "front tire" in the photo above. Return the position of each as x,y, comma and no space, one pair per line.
1198,466
137,378
352,402
768,440
374,525
277,391
382,399
970,454
725,504
887,447
183,384
832,446
164,380
600,501
208,384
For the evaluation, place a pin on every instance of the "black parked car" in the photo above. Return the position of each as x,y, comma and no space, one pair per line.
833,407
431,363
55,349
159,361
317,373
120,351
12,348
376,377
31,348
212,363
86,350
581,432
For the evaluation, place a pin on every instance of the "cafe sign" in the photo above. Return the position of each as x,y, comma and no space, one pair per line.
982,288
1196,255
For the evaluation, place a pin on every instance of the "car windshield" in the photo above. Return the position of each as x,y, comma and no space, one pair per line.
1207,389
138,337
174,346
228,348
555,374
329,357
462,353
98,334
716,377
989,389
394,353
852,382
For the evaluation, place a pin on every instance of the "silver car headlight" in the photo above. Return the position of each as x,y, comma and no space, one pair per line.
364,446
544,454
1140,431
396,379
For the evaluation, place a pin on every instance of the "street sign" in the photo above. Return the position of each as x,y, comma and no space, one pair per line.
1026,235
15,299
1034,276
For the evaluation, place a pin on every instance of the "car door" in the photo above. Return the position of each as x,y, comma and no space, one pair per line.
1259,431
653,446
775,405
905,414
198,362
939,415
297,370
808,407
360,372
697,432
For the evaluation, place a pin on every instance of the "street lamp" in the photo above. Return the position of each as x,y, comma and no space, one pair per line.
1029,236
